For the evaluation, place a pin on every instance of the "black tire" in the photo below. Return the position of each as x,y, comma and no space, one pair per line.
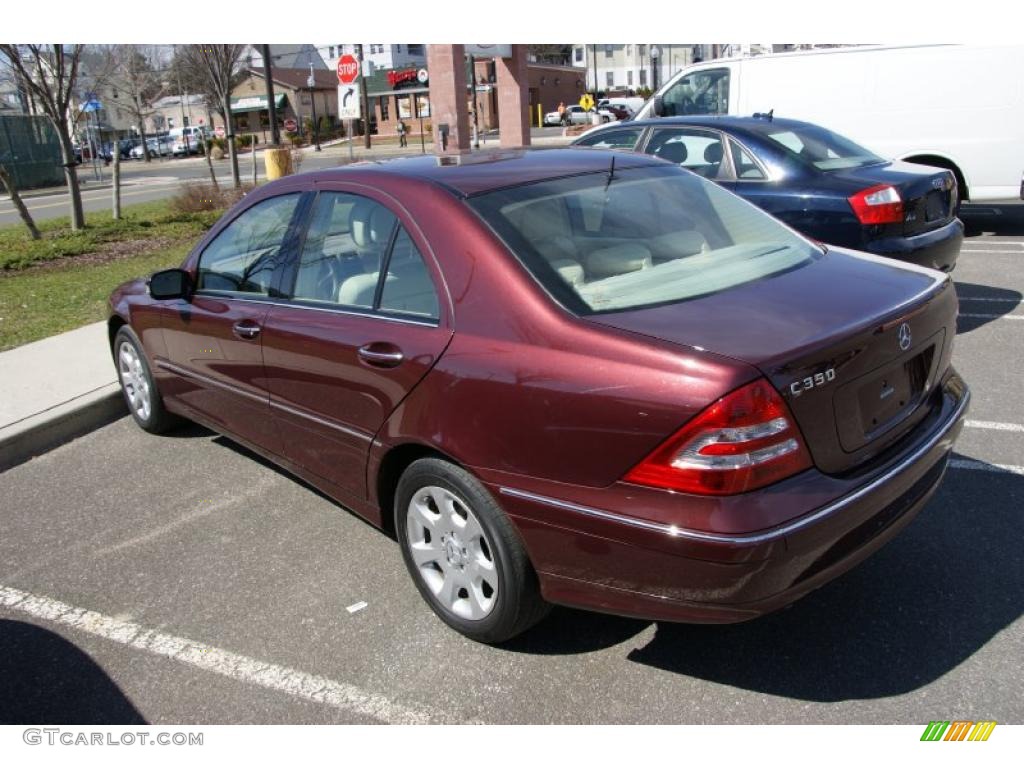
158,420
517,603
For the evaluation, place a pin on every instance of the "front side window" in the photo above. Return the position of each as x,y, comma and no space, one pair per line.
244,256
639,237
617,139
700,93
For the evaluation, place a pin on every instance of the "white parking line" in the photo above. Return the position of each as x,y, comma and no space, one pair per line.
985,467
291,681
992,317
990,250
986,298
997,425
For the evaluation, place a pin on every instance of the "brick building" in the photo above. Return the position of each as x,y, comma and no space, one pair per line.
396,94
292,99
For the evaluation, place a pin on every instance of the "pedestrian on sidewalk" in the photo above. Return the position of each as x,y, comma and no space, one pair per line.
403,131
561,112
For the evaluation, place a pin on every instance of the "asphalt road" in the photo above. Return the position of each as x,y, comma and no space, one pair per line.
163,177
226,591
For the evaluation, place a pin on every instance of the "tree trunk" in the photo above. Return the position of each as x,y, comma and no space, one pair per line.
117,181
71,178
229,131
145,146
8,183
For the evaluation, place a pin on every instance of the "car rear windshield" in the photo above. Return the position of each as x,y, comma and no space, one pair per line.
818,146
625,239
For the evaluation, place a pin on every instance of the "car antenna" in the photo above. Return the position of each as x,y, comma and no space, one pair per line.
764,115
611,174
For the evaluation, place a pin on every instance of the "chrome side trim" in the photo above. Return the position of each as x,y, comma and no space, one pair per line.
319,420
370,314
763,536
188,374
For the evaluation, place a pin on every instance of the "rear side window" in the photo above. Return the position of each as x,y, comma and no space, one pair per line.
618,139
746,167
356,255
244,256
694,149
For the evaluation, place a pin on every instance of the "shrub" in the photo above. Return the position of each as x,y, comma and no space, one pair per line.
201,196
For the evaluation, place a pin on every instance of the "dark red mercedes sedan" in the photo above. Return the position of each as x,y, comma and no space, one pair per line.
565,376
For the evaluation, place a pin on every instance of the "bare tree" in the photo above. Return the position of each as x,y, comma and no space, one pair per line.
135,83
50,73
216,67
6,182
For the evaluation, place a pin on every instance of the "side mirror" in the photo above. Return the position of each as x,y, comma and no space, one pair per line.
658,107
170,284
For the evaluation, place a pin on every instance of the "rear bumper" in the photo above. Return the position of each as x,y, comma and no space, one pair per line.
937,249
604,560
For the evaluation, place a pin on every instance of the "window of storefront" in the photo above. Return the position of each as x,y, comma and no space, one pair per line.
384,107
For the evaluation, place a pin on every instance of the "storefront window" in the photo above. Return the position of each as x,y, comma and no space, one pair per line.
384,107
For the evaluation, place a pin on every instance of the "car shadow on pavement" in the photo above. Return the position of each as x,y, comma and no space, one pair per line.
983,300
997,219
922,605
48,680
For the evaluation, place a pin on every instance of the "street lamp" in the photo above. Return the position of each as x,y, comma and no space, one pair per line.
655,53
311,82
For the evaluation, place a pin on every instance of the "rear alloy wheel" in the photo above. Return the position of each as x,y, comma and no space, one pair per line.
463,553
137,385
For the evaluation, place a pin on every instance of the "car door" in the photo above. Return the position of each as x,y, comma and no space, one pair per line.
213,341
364,319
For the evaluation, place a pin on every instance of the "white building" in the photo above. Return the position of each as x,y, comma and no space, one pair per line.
629,66
382,55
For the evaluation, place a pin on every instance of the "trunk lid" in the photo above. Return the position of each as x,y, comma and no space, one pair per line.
831,337
929,194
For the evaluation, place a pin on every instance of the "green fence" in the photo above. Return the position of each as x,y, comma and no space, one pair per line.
30,150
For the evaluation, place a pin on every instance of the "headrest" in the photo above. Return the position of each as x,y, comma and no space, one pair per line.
673,151
713,153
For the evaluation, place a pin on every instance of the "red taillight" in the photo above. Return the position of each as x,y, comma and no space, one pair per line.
877,205
746,440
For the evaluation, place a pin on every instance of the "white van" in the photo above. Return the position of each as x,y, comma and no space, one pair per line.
959,107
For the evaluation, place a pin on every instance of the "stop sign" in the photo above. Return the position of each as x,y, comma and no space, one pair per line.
348,69
290,125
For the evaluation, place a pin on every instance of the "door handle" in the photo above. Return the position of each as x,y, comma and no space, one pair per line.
246,329
381,355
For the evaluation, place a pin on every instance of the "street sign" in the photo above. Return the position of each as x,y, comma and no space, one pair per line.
219,130
349,102
586,102
348,69
290,125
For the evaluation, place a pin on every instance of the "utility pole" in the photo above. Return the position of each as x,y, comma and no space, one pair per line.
268,76
364,97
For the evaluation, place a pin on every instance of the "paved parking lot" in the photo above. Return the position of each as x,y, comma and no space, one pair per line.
180,579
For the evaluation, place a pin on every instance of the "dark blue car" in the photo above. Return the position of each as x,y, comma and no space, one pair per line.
818,182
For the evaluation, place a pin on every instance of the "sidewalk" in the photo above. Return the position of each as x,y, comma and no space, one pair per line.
54,390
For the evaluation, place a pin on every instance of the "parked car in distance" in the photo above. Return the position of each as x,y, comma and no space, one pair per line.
618,110
159,146
187,141
817,181
576,115
577,377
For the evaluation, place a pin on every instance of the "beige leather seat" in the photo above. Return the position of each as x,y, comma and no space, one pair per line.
545,225
618,260
370,225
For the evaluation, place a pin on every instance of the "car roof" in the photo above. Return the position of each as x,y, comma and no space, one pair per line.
746,123
481,172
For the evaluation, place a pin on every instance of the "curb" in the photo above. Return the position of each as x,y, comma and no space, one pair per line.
45,431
